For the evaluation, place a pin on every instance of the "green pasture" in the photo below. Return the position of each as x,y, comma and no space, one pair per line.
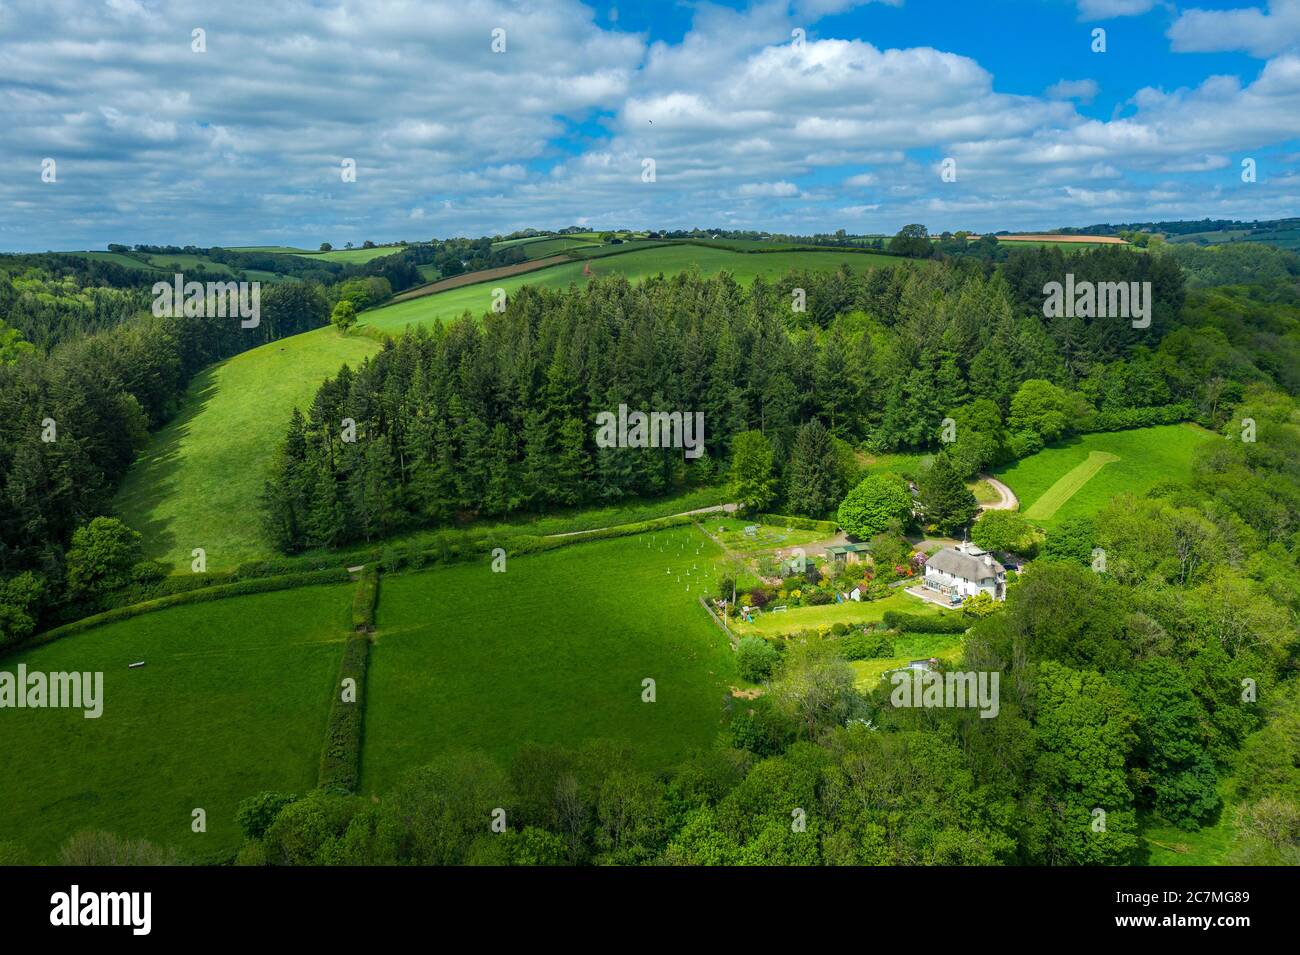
771,623
1077,477
232,700
553,650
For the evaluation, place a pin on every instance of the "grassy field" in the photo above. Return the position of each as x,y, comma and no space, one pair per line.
560,522
266,248
771,624
352,256
635,266
1164,844
907,465
198,481
540,250
1079,476
232,700
1068,484
553,651
182,262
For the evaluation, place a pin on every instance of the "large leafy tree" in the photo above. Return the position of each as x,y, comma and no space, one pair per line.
1002,530
879,503
101,557
752,482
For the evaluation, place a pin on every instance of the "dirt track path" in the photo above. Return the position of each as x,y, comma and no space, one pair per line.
1008,500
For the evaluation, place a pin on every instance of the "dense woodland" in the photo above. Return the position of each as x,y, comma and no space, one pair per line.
495,416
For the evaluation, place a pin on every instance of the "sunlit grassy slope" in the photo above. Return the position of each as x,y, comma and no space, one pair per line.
197,483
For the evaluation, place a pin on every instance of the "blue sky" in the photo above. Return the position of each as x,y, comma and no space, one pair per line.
750,123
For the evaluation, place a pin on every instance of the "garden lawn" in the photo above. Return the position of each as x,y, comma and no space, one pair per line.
635,266
551,651
769,624
1075,478
908,647
198,481
232,700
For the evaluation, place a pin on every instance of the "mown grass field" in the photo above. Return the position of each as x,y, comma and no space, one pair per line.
1052,490
198,481
232,700
635,266
119,258
553,650
183,262
352,256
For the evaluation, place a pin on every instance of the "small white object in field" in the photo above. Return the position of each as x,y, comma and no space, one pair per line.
133,666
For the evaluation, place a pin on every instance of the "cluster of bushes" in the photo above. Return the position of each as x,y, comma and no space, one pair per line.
1120,419
802,523
813,590
866,645
914,623
756,658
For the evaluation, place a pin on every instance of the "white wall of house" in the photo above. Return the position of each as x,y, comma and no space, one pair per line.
940,579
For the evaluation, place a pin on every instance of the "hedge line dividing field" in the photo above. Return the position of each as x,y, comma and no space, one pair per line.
364,601
802,523
340,758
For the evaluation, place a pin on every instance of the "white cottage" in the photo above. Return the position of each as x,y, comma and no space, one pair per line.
959,573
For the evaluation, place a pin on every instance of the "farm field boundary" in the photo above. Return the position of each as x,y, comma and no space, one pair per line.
476,278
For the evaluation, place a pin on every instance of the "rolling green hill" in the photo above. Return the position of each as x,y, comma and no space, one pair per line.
635,266
352,256
197,483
